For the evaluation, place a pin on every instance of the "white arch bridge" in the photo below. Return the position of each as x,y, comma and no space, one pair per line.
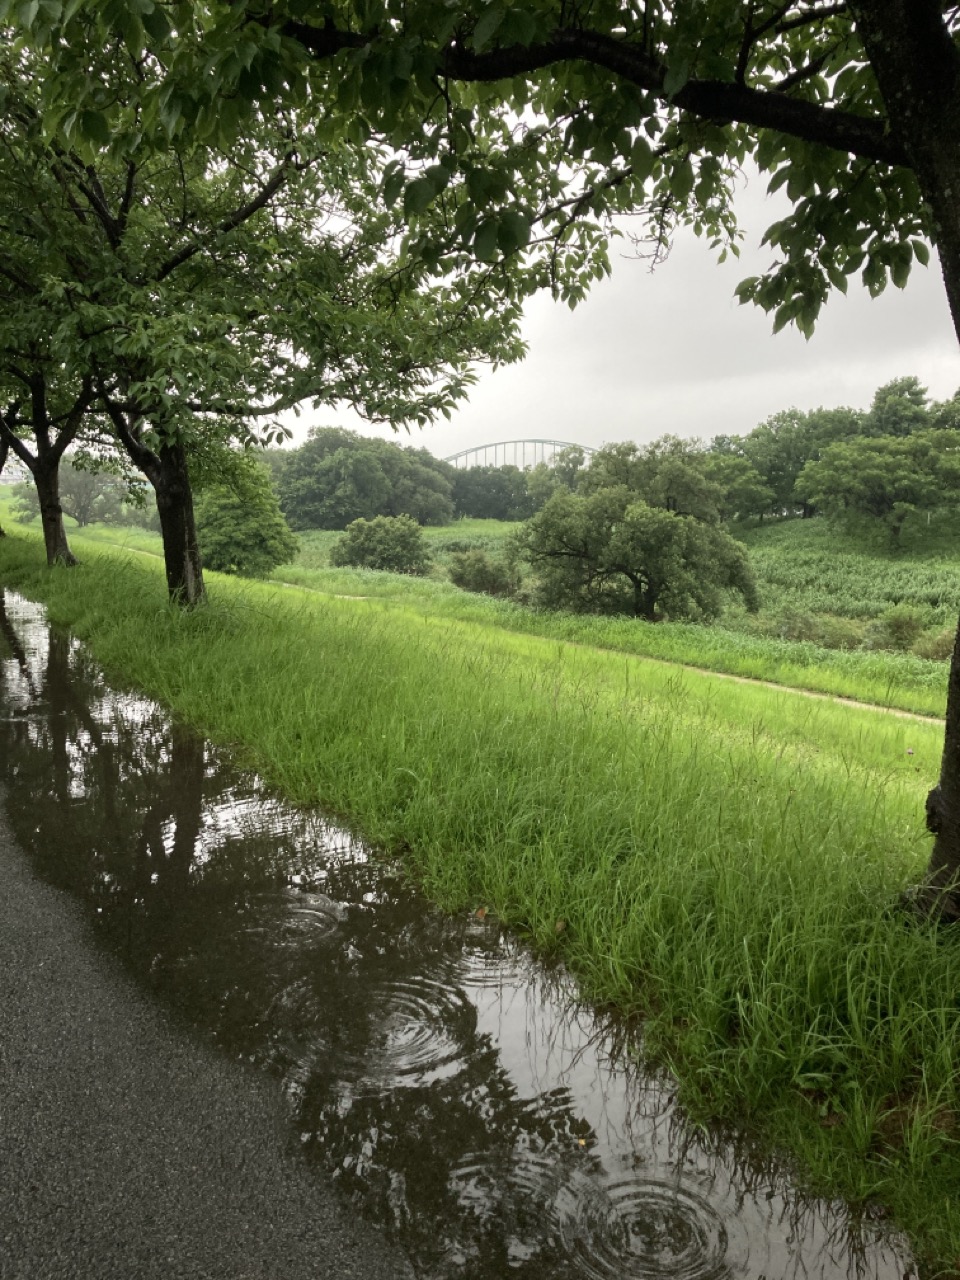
517,453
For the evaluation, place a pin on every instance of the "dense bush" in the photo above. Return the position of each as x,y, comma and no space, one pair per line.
241,528
476,571
394,543
936,646
897,628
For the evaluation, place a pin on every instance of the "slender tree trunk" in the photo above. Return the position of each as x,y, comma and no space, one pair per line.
917,67
181,551
4,454
46,476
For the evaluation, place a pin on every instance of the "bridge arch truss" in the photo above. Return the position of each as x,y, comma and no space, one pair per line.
516,453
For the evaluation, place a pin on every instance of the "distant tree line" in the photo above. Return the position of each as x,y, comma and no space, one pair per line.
899,456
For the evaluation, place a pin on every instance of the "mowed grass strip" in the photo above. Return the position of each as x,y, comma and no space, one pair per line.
719,861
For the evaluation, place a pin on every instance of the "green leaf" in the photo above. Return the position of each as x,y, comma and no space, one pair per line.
94,127
642,158
156,24
513,231
681,184
485,240
392,186
418,195
921,251
487,24
678,73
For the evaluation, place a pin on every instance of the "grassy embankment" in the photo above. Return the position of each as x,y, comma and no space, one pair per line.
717,859
752,648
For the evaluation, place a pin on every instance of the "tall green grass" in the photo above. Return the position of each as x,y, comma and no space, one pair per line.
720,861
900,680
816,567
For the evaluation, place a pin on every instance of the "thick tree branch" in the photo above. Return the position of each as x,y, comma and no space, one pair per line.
233,220
709,99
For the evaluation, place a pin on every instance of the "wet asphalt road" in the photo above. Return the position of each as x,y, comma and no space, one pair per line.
129,1151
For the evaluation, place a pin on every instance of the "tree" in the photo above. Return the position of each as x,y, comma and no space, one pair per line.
780,447
899,408
394,543
337,476
87,493
885,478
741,489
852,108
241,526
491,493
611,552
166,290
668,473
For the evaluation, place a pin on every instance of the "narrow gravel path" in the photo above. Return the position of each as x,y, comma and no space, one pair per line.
128,1151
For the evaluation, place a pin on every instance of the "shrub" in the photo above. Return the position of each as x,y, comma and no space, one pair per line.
394,543
241,527
476,571
936,646
899,628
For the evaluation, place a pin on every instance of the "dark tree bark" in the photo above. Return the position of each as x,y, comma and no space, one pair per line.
52,434
167,470
46,477
4,454
917,67
181,551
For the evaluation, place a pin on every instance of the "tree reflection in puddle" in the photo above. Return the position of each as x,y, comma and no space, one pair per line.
451,1085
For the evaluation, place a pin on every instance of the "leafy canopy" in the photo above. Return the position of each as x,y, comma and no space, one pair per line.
611,552
241,527
519,121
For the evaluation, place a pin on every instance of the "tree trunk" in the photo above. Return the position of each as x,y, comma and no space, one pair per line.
181,551
918,70
46,475
4,454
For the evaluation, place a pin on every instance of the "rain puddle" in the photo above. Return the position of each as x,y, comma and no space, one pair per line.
453,1087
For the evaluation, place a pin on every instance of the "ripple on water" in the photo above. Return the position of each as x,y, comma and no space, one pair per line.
417,1027
628,1229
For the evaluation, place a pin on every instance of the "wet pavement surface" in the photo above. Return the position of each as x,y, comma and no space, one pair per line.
239,1044
129,1151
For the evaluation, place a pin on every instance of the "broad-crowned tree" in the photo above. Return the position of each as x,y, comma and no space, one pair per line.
885,478
610,552
337,476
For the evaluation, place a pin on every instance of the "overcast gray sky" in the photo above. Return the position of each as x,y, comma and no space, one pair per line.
672,351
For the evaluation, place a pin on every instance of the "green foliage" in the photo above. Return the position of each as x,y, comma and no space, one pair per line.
394,543
899,408
337,476
610,552
887,478
476,571
898,628
86,494
647,108
241,528
668,473
751,647
492,493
